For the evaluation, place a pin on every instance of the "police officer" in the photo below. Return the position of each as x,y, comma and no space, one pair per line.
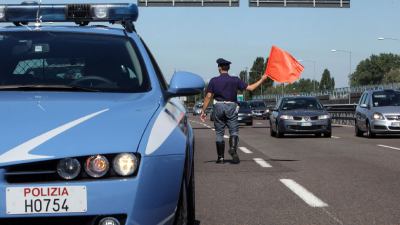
223,89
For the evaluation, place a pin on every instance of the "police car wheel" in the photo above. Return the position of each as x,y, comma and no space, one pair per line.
182,213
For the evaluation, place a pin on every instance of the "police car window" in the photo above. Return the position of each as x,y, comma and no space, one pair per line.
102,62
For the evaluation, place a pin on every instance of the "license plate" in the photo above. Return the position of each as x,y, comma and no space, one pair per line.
306,124
52,199
396,124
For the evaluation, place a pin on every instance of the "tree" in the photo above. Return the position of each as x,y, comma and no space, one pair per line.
256,71
327,82
373,70
392,77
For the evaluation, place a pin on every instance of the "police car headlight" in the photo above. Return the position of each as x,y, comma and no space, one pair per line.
324,117
378,116
100,11
2,13
69,168
125,164
97,166
286,117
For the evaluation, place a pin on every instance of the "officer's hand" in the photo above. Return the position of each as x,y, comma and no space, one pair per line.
203,117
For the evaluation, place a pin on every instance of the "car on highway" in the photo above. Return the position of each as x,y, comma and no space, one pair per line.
197,108
91,132
300,115
259,109
378,112
244,113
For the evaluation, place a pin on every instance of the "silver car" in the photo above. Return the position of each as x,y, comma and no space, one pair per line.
300,115
378,112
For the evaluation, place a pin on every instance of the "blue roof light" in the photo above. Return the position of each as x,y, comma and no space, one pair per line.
78,13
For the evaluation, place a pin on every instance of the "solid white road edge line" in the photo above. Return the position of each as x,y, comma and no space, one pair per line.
303,193
245,150
262,163
386,146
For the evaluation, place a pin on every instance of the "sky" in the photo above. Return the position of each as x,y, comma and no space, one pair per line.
191,39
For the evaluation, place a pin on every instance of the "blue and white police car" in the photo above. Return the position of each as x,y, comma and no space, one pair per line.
91,134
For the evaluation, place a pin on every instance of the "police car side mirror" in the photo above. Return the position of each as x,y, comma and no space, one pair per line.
185,84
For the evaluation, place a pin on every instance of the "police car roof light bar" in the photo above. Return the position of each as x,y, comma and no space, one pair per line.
81,14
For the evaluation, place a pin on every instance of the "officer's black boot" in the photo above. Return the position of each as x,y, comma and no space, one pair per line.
233,143
220,151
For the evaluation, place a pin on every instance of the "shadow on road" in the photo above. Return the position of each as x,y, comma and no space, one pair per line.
227,161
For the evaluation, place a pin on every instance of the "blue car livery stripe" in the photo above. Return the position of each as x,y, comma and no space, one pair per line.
22,151
166,122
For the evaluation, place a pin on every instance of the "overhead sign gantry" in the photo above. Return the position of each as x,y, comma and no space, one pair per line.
301,3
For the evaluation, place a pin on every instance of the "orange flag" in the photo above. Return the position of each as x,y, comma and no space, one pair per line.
283,67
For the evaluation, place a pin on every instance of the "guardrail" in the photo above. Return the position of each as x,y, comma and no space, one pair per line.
342,114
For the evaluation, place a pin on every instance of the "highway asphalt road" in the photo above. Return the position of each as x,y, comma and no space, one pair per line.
297,179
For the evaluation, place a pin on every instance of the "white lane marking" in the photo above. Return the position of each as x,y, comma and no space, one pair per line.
303,193
226,136
213,129
386,146
335,137
245,150
262,163
342,125
259,123
22,151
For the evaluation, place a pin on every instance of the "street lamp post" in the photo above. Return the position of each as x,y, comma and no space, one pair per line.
314,62
388,38
348,52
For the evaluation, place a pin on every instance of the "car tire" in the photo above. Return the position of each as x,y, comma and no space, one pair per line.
357,130
328,134
370,134
278,133
185,213
318,135
271,131
249,124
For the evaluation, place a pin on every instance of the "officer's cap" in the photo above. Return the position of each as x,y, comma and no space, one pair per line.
223,62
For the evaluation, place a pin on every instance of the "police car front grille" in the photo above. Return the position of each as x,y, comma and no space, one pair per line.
32,172
63,220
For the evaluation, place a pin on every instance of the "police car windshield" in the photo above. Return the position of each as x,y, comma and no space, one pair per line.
45,59
301,104
386,98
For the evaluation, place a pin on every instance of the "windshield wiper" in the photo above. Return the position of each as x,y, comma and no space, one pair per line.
46,87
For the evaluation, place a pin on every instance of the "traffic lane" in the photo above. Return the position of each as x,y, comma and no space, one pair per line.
357,178
245,193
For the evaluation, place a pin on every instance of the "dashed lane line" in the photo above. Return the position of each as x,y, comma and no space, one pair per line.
303,193
245,150
226,136
386,146
335,137
262,163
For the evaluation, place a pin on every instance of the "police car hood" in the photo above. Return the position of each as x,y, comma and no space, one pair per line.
39,126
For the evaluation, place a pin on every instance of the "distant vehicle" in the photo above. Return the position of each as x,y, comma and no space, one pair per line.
259,109
378,112
197,108
244,114
300,115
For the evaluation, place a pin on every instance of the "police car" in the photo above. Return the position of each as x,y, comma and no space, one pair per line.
91,133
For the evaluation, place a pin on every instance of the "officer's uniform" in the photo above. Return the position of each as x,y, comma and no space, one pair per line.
225,88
